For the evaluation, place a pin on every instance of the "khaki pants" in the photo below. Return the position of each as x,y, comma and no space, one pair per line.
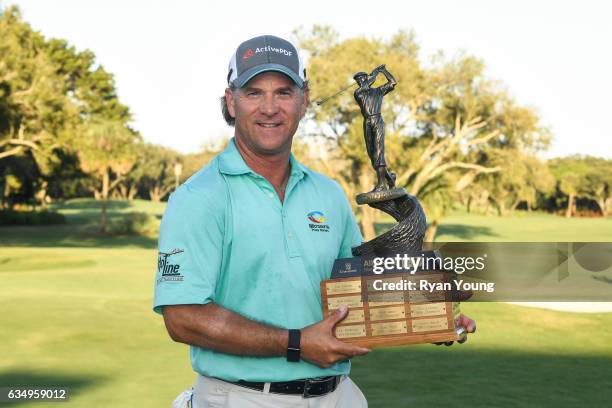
212,393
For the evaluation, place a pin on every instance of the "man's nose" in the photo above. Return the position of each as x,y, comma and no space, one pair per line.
269,105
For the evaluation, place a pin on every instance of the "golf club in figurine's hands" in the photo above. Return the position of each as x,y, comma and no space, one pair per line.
379,317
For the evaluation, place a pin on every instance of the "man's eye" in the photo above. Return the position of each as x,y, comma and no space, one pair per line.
285,93
253,93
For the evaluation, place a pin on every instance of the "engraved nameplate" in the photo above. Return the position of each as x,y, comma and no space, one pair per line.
421,325
384,299
349,301
425,296
428,309
388,313
381,329
342,287
354,316
356,330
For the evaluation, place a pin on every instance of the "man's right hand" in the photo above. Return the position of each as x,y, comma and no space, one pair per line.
320,347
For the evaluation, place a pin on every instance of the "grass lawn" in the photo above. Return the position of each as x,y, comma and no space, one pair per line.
520,227
76,312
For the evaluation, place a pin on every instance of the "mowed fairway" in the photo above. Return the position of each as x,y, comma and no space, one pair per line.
76,312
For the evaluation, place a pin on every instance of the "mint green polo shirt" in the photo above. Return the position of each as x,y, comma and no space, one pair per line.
226,238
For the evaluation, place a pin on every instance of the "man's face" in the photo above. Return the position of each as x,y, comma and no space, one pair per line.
267,110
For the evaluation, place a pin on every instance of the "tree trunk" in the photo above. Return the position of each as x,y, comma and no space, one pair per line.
104,197
367,223
430,234
501,207
515,204
570,205
601,203
122,191
41,195
6,191
132,192
154,194
367,212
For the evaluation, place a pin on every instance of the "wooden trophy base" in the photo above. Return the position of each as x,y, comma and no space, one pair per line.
388,310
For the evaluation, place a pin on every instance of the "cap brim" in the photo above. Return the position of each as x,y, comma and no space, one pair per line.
251,73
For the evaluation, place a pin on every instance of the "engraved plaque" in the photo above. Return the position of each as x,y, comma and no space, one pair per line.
355,330
428,309
385,299
381,329
388,313
350,301
421,325
354,316
342,287
426,296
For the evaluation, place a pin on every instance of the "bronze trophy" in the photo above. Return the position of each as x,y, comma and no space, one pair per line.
390,308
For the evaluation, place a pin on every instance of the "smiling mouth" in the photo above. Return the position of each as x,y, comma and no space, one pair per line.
268,125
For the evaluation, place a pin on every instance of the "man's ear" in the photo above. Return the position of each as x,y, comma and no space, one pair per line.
305,102
229,100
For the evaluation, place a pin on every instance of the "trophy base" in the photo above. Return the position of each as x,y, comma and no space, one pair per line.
458,334
403,313
380,195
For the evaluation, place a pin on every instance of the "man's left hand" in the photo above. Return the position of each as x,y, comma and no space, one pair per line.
465,322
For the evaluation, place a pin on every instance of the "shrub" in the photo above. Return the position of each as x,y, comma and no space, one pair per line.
133,223
44,217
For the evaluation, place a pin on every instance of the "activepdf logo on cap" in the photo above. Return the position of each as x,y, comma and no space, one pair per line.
248,54
318,220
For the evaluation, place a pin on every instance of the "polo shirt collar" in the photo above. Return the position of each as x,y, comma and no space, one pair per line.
231,162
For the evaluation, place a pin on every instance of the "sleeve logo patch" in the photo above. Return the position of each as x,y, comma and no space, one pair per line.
168,270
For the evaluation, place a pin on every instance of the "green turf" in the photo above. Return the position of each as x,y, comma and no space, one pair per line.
76,312
519,227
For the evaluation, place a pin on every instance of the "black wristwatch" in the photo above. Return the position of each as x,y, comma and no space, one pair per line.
293,346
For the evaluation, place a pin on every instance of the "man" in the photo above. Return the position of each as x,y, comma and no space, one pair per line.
240,261
370,103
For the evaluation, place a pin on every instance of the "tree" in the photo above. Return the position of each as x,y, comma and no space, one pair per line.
598,183
438,118
35,113
193,162
47,91
155,170
584,177
520,179
570,174
107,152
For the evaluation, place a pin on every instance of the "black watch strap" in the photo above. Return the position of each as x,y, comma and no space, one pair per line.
293,346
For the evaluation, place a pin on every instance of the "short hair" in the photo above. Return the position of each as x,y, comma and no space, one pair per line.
225,111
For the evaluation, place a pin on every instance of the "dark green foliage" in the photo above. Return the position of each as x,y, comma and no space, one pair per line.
44,217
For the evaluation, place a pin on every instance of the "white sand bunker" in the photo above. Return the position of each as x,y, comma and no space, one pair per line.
578,307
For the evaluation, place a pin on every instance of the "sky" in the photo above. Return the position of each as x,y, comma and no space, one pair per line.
170,58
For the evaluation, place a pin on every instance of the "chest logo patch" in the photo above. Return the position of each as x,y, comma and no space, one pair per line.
317,221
